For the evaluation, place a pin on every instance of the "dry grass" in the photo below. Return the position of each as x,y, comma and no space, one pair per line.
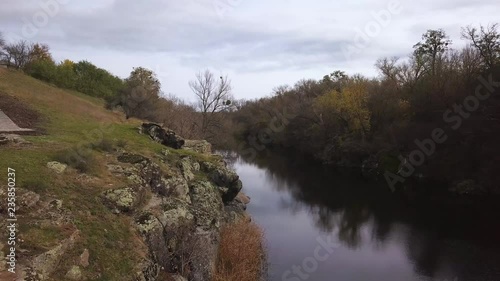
241,253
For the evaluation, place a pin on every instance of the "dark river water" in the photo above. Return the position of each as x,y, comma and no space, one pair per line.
321,224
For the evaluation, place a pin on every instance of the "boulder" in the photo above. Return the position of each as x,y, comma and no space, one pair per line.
57,167
121,200
29,199
75,273
84,258
206,204
200,146
131,158
166,137
223,177
47,262
177,187
243,198
186,166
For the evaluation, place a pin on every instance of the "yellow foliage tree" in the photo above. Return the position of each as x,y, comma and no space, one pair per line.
348,106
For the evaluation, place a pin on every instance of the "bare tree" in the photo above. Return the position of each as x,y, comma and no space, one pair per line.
487,41
2,46
18,54
213,95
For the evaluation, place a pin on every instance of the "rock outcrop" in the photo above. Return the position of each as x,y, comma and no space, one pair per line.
226,179
200,146
179,211
160,135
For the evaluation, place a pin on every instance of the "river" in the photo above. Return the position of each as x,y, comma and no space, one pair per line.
322,224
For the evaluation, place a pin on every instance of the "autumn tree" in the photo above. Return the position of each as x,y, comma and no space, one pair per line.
66,76
40,63
214,95
486,40
348,107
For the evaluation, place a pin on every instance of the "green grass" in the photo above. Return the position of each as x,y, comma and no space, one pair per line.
40,238
74,121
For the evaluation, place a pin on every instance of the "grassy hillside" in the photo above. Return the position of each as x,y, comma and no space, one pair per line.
70,120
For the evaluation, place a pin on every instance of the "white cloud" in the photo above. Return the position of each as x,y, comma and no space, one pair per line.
261,44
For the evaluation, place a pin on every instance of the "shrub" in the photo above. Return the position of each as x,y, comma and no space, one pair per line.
35,185
241,253
84,162
122,143
104,145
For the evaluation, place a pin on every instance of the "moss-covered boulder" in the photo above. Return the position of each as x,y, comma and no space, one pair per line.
164,136
200,146
121,200
225,178
207,204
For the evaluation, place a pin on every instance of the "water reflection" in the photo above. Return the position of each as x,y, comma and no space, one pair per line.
382,237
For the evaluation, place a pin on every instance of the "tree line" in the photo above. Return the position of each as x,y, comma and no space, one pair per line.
138,95
355,121
346,120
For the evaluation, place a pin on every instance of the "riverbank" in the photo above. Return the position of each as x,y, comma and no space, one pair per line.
98,200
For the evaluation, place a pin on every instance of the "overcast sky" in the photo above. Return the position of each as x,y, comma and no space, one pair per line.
259,44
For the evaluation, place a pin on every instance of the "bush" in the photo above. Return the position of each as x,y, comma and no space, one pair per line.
35,185
241,253
122,143
45,70
104,145
84,162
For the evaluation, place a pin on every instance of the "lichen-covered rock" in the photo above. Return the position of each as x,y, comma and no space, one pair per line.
234,211
200,146
206,204
186,167
223,177
57,167
182,216
177,187
131,158
47,262
164,231
123,200
148,271
28,200
75,273
160,135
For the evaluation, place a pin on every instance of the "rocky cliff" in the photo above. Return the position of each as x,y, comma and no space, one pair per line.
177,203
